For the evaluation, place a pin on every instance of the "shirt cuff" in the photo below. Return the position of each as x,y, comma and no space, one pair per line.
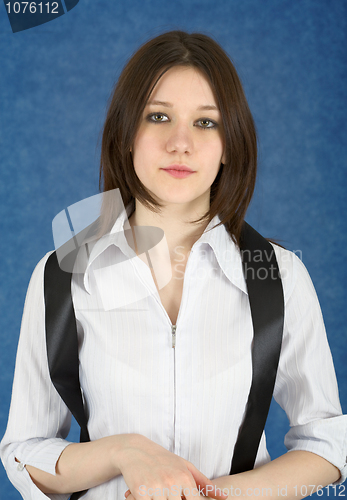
40,453
324,437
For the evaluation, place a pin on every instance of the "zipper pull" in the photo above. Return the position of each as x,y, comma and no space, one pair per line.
173,333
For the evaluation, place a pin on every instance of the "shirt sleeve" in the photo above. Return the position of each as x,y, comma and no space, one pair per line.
39,420
306,386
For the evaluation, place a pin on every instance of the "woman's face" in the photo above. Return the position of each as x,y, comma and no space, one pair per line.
181,126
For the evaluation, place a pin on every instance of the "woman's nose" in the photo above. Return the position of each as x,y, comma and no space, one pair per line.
180,140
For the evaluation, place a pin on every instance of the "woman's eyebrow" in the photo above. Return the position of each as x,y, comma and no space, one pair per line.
206,107
160,103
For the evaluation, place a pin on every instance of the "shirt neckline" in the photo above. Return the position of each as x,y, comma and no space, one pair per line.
216,236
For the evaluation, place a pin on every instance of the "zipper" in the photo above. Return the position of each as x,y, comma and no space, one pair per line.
173,335
173,344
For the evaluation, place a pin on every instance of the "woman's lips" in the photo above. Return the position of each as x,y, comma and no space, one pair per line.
180,174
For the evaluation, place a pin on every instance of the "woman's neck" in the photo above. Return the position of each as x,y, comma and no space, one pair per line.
173,220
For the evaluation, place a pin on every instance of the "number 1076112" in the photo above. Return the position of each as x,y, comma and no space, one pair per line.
32,7
333,490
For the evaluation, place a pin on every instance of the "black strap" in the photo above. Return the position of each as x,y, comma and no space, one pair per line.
265,294
267,308
62,344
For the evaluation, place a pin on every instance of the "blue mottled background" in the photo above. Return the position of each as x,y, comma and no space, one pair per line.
55,82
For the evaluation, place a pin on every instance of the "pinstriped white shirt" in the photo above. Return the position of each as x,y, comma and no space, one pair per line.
191,398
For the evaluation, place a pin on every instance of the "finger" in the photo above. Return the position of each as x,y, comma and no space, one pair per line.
130,496
127,493
205,484
216,492
198,476
213,491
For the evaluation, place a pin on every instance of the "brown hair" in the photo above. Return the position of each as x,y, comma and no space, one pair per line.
232,190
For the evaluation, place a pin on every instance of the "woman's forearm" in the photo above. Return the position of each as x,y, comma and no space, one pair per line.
140,460
290,476
83,465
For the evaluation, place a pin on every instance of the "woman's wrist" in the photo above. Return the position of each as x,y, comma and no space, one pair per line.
85,465
122,448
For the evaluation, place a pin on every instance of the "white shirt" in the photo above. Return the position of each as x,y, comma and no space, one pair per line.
190,399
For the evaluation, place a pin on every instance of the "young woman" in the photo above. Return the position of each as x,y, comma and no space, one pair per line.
166,371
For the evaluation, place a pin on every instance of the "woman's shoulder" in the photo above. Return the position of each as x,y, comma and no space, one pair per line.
36,278
292,269
40,266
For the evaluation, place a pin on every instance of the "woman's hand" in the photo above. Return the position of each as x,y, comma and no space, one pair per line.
151,471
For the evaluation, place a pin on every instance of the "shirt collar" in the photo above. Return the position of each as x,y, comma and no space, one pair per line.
226,251
115,237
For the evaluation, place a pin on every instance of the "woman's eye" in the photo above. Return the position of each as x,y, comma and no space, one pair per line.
206,123
157,117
